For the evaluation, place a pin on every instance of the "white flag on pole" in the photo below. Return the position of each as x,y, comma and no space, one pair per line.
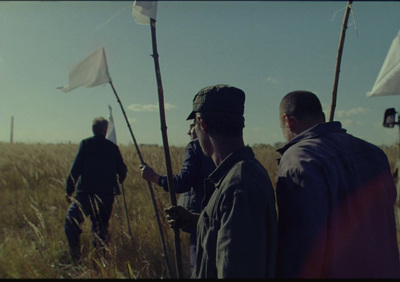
143,11
111,128
89,72
388,80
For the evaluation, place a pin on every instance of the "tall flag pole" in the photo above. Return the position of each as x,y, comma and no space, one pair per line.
339,59
112,136
150,188
166,148
144,12
93,71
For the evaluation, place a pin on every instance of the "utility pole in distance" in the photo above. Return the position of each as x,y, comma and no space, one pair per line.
12,130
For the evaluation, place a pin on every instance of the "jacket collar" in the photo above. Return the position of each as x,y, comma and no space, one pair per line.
241,154
313,132
99,136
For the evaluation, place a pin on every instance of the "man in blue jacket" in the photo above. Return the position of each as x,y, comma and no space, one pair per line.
93,176
189,183
335,196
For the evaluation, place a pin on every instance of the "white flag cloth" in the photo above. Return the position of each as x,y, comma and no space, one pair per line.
143,11
388,81
89,72
111,128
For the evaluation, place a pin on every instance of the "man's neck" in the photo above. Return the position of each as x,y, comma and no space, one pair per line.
223,147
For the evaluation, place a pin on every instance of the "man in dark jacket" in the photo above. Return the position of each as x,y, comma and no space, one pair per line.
189,183
93,176
335,196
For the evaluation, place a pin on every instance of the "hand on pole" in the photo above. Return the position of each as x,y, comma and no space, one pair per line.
179,217
148,173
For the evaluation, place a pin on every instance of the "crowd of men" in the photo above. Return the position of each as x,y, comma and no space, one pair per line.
331,214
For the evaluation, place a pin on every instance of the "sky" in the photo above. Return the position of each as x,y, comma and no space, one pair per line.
265,48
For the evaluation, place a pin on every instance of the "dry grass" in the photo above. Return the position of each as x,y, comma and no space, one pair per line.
32,239
33,210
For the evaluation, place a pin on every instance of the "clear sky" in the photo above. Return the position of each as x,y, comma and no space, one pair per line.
265,48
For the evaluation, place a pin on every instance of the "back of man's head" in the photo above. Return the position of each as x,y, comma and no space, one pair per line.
222,107
302,105
100,126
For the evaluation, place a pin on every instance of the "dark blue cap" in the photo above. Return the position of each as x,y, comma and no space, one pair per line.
218,98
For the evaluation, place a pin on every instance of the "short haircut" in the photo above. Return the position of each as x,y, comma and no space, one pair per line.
302,105
224,124
99,126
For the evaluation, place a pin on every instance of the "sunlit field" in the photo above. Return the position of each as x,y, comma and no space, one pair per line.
33,208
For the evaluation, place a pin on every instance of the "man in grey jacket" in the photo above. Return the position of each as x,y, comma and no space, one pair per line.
236,229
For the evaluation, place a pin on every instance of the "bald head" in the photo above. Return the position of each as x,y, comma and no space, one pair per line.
299,110
302,105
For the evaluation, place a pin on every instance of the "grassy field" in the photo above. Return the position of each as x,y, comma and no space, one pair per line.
32,239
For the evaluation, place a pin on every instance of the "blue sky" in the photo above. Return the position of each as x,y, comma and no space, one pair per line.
265,48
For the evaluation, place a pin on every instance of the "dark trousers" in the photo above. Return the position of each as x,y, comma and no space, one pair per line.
98,208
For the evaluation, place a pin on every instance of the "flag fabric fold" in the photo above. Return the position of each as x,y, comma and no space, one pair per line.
89,72
111,135
143,11
388,80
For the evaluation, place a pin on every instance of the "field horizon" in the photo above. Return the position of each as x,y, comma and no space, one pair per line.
33,243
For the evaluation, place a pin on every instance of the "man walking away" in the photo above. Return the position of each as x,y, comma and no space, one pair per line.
93,176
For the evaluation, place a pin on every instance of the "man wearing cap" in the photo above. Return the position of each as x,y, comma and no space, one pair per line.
237,228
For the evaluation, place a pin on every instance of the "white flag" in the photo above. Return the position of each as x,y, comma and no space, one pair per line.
89,72
143,11
388,81
111,128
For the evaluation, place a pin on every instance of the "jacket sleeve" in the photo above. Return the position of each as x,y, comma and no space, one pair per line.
75,171
188,174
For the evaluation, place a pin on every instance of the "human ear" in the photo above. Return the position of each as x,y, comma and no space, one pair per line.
288,121
201,124
203,127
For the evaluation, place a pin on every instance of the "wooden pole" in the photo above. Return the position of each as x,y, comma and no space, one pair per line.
339,60
165,144
126,211
148,184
